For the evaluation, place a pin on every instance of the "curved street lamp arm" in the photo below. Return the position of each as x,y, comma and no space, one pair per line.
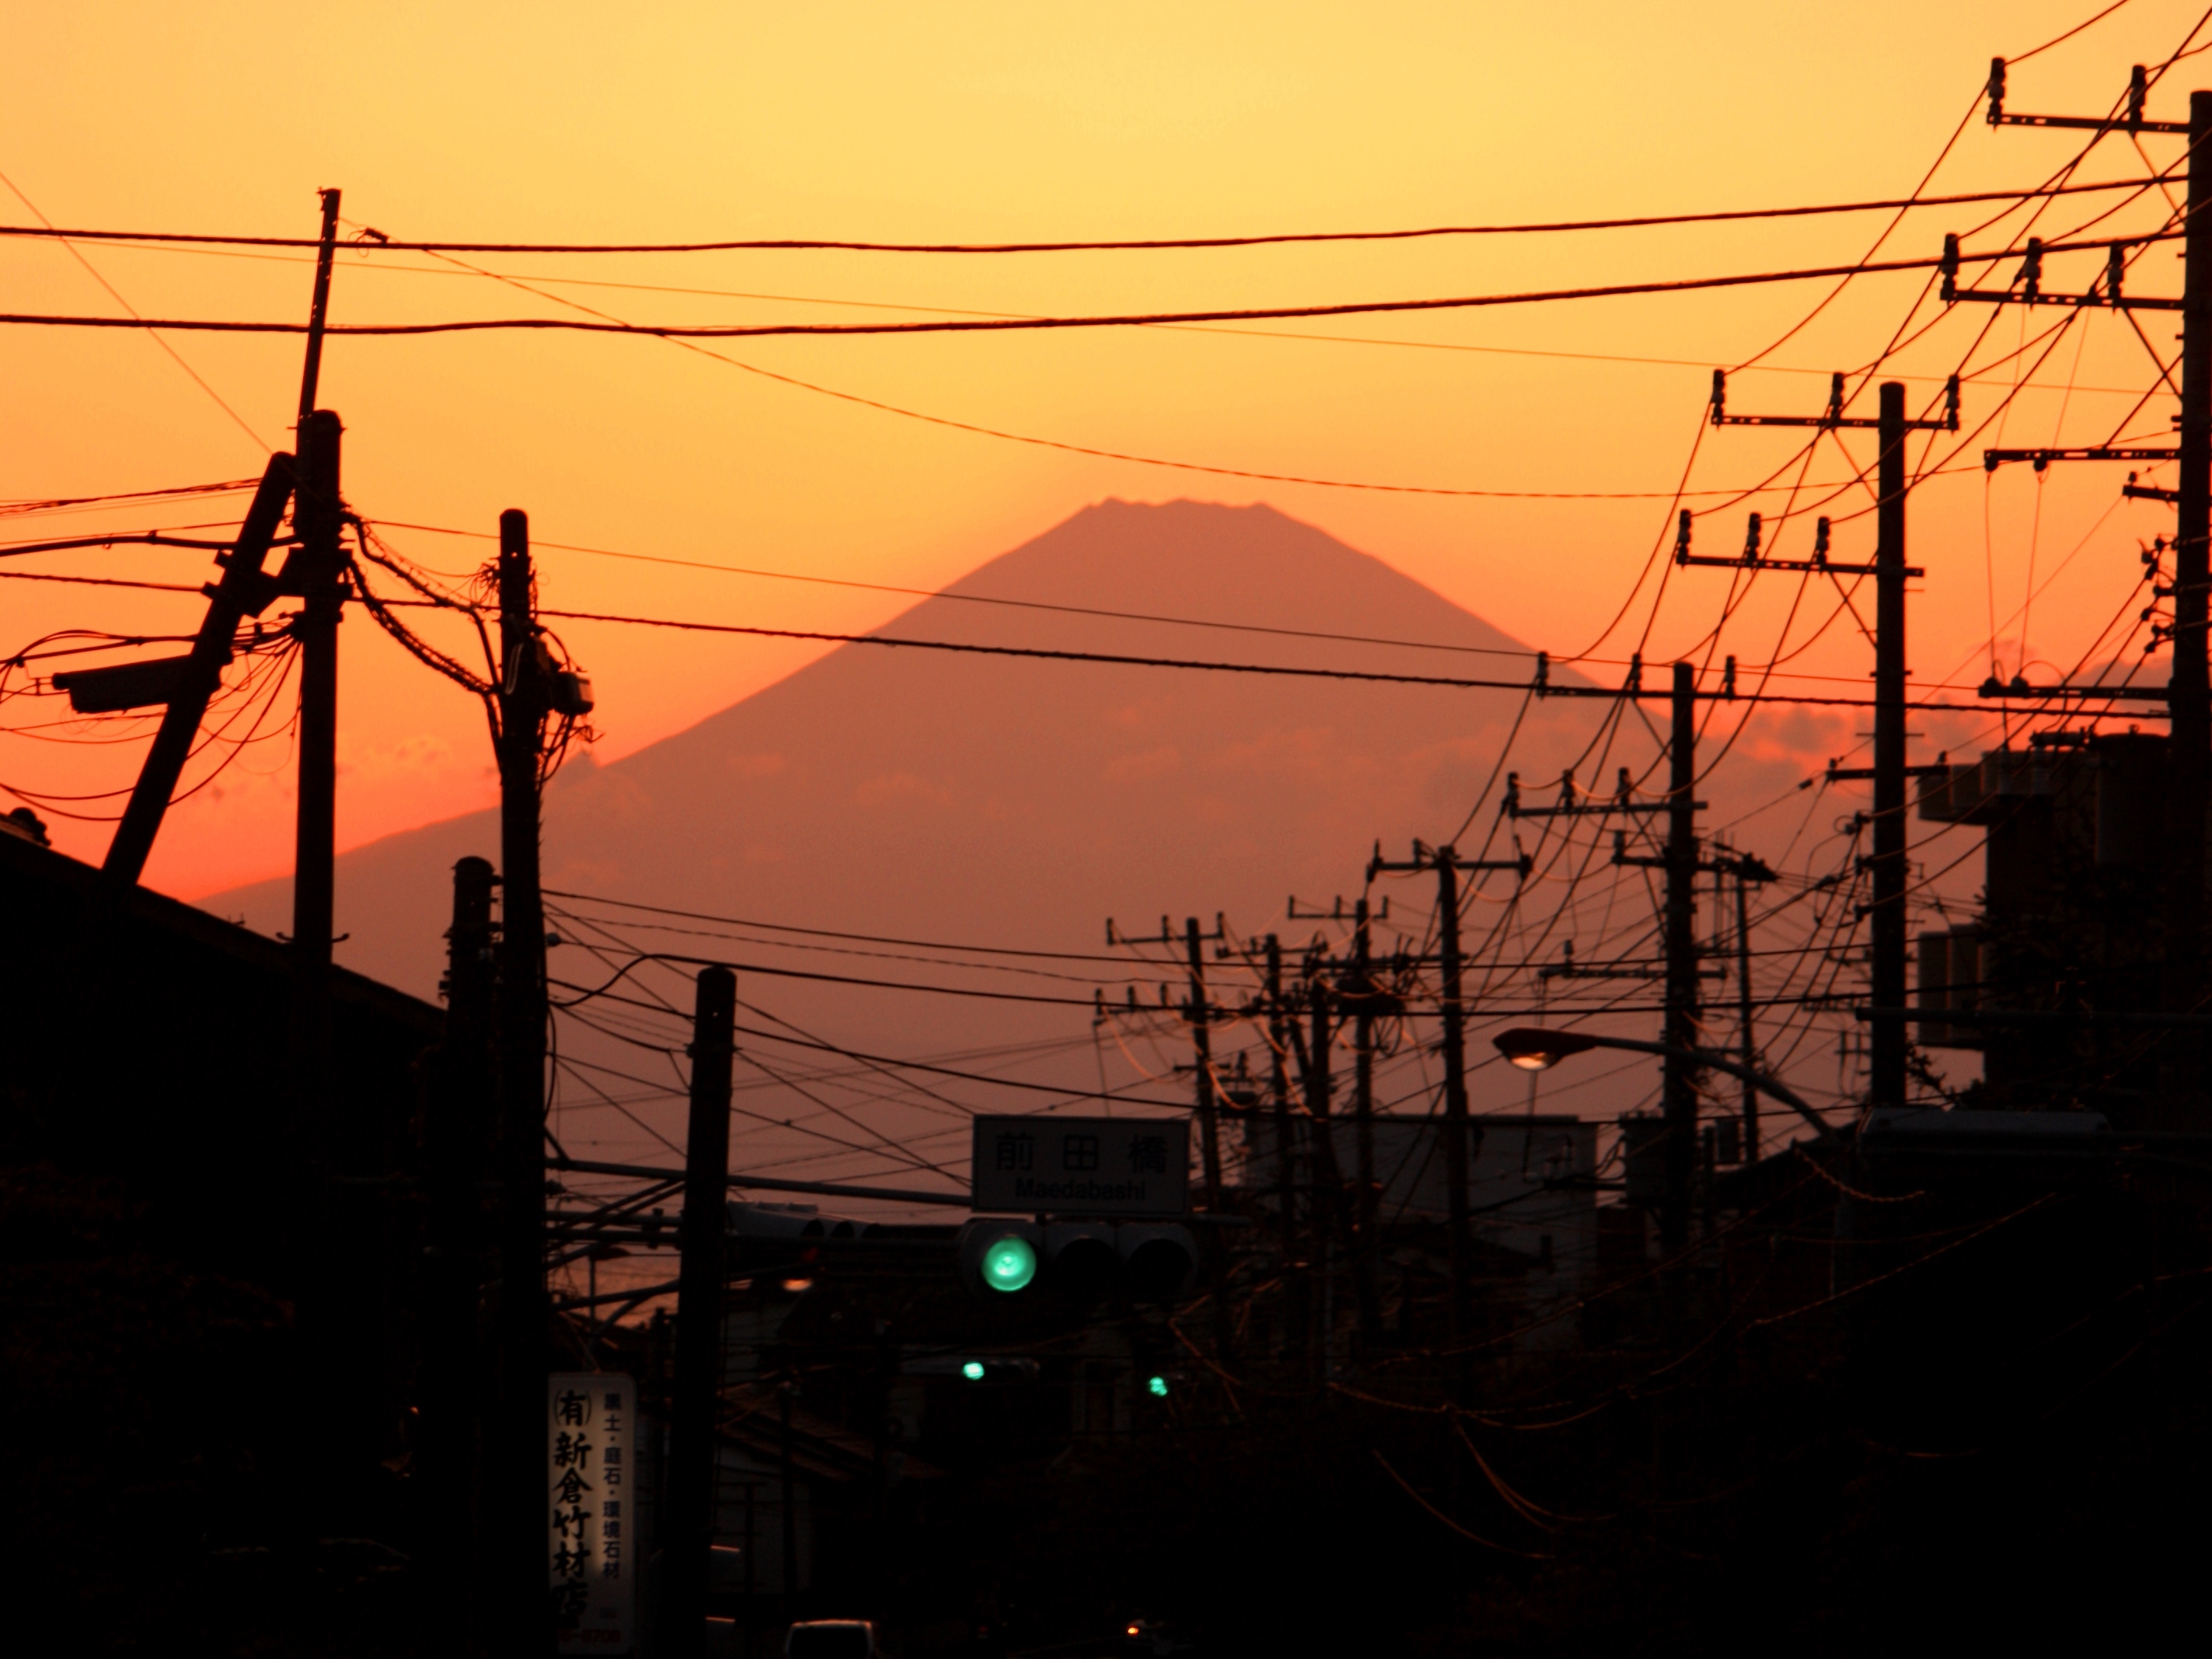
1757,1080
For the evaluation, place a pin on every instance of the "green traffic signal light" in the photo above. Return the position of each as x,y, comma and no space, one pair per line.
1158,1387
1010,1263
973,1370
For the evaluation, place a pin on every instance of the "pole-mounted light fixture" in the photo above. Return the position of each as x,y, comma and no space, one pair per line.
1533,1048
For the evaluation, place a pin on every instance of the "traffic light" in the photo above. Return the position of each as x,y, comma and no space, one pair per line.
1082,1259
1157,1258
1075,1263
1000,1257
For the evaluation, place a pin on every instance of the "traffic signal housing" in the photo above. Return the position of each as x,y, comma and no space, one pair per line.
1075,1263
1157,1259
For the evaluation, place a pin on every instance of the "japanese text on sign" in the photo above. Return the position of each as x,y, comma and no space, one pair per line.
590,1510
1092,1166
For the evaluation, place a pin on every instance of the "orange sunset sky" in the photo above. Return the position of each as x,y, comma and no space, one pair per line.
557,122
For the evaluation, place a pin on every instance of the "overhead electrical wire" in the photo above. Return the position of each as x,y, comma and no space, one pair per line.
376,240
1021,325
137,320
26,508
1121,659
537,282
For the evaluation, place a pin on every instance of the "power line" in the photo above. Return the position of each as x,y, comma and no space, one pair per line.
1014,324
861,938
977,429
457,268
983,599
98,581
115,295
29,508
1118,660
374,241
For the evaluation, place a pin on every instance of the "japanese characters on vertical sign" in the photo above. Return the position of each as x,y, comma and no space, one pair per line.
1099,1166
591,1512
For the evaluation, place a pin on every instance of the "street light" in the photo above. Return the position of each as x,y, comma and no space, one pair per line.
1533,1048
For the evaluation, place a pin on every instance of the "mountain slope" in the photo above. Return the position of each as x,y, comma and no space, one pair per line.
1012,800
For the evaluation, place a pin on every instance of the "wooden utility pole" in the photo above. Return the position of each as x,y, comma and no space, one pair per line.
1886,919
687,1543
317,572
318,308
519,1519
1201,1037
456,1155
1681,1071
244,590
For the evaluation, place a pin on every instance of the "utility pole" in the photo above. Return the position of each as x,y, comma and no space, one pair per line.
2190,691
1460,1148
1681,1073
1461,1246
318,308
523,1312
1746,1043
1887,865
456,1143
1200,1012
1278,1097
244,590
784,1391
686,1547
321,1231
1886,1077
1201,1037
1327,1186
1362,987
316,571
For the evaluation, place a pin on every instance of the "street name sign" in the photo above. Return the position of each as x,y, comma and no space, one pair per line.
1086,1166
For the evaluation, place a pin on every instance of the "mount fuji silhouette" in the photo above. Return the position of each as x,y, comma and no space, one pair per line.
916,795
